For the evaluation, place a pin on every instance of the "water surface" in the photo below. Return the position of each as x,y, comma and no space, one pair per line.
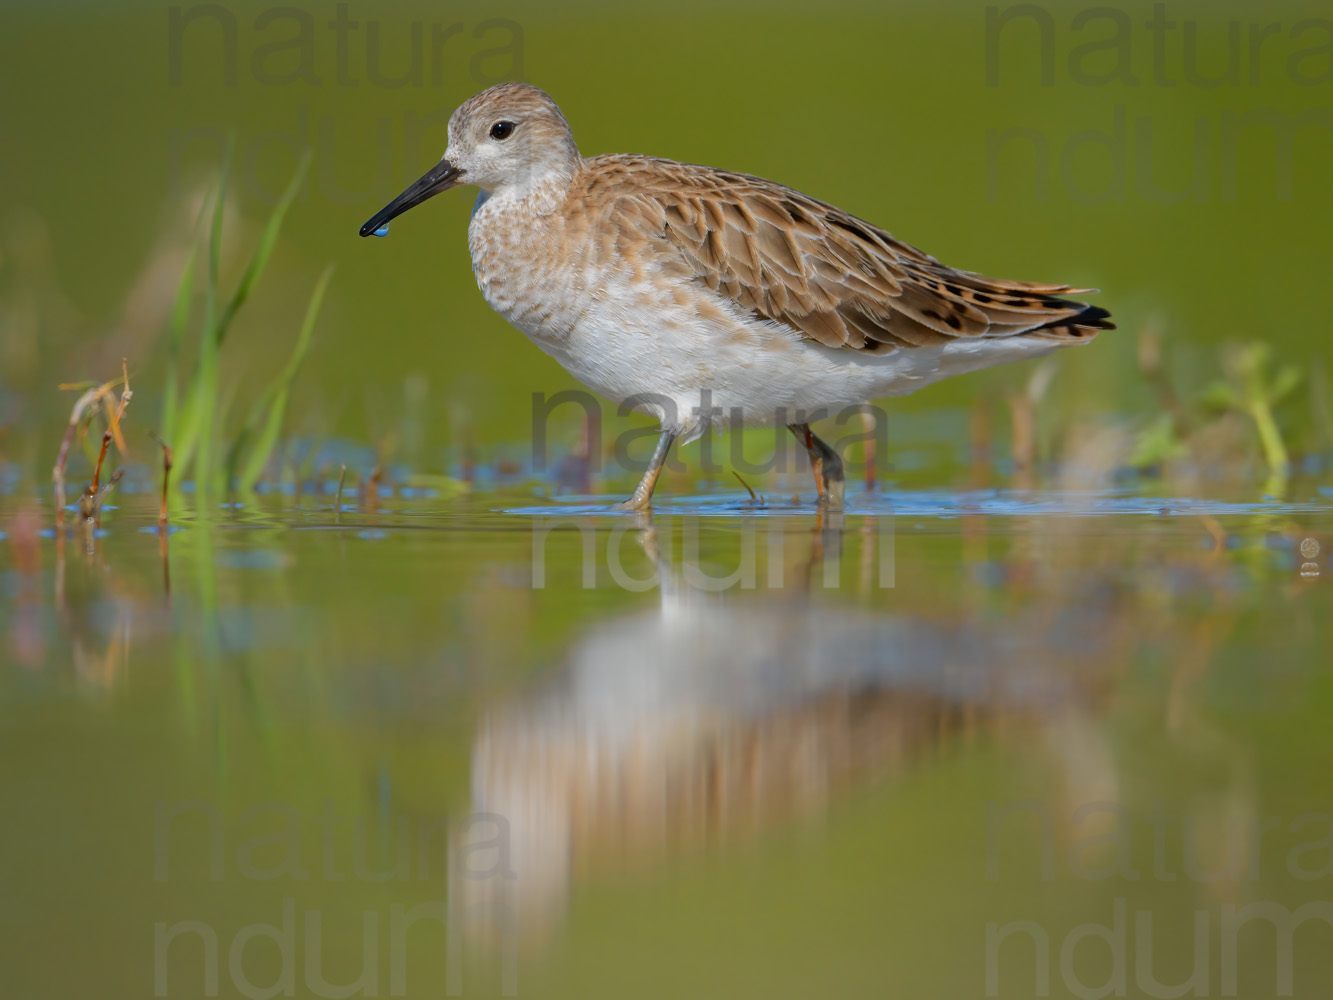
731,749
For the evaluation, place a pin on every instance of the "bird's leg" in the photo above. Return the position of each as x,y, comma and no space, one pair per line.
807,437
824,463
643,493
835,488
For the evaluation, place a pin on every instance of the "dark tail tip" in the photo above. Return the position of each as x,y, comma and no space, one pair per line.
1093,317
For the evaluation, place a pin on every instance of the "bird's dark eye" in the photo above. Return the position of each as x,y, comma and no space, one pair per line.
502,130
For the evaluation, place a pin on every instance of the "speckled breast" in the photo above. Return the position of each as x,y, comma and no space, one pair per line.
529,269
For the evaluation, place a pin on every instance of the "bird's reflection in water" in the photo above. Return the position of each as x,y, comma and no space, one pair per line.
714,716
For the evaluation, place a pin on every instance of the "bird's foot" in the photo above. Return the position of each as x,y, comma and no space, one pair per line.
829,477
835,491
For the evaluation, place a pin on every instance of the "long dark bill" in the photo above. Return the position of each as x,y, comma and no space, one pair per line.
440,177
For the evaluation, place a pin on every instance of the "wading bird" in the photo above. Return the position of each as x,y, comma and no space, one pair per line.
664,285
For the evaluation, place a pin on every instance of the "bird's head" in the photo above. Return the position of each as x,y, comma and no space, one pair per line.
504,140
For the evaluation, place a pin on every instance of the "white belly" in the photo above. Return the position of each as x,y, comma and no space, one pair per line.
694,368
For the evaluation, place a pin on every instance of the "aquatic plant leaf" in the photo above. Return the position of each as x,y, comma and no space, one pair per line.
280,389
1285,383
1220,395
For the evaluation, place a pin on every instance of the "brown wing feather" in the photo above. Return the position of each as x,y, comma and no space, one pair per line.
837,279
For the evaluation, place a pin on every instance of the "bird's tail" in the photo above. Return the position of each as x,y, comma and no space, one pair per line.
1082,326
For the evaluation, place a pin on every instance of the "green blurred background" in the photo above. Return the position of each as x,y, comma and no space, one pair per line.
115,117
369,657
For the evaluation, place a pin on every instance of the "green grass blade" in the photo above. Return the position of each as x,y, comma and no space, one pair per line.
259,259
198,414
206,419
242,441
199,424
281,387
1270,436
180,319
